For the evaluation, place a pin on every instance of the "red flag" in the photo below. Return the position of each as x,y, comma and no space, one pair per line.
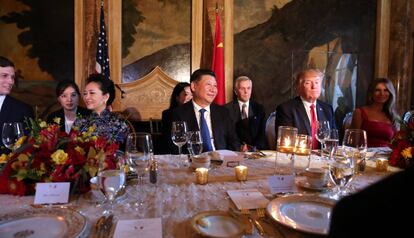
218,63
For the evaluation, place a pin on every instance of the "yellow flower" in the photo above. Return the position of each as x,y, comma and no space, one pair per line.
43,124
20,141
80,150
56,120
406,153
3,159
59,157
23,158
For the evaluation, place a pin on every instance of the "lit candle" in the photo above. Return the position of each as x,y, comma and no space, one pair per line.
381,165
201,175
286,146
241,172
302,148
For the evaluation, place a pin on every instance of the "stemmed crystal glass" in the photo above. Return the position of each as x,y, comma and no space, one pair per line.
355,146
341,172
331,143
11,133
139,150
179,135
322,133
195,143
112,182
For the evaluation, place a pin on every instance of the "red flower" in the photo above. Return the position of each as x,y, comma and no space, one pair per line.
16,187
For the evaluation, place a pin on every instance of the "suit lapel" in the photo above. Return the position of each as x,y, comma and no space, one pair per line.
213,118
300,108
320,112
193,125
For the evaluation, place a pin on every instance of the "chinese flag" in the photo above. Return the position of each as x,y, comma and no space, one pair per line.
218,63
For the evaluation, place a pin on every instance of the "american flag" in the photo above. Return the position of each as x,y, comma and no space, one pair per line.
102,57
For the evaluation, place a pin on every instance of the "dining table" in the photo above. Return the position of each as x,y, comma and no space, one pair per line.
176,198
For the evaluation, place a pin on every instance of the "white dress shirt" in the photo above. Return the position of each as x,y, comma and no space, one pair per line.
208,120
2,97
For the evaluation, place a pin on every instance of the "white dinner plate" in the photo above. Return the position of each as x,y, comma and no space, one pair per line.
216,224
303,183
43,223
307,213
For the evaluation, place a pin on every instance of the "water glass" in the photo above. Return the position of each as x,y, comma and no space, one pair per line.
179,134
341,172
11,133
112,182
139,151
354,146
322,133
195,143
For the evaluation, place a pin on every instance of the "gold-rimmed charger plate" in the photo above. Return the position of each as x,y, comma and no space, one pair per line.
43,223
307,213
217,224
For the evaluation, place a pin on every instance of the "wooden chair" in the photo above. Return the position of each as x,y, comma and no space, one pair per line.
270,131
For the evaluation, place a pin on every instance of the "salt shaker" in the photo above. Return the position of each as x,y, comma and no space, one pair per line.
153,170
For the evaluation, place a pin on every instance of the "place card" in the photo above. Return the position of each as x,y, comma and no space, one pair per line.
50,193
150,228
281,183
248,199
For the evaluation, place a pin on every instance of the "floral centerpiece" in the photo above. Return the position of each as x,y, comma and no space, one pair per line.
403,146
49,155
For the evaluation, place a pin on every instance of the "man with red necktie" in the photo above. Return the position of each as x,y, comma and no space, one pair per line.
305,111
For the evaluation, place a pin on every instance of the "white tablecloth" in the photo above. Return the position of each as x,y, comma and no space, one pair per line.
176,198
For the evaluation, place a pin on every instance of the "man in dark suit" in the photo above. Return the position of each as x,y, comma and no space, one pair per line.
380,210
247,116
11,109
202,114
305,110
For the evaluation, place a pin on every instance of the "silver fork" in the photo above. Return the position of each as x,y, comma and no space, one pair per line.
253,222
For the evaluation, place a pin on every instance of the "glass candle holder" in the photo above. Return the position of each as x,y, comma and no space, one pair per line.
303,144
286,139
381,165
241,172
201,176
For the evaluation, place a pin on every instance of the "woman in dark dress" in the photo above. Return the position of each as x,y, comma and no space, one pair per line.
180,95
99,93
67,93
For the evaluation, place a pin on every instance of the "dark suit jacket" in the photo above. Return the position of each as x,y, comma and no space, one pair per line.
223,131
252,129
383,209
293,113
60,113
14,110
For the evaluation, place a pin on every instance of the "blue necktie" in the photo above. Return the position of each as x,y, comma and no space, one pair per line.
205,133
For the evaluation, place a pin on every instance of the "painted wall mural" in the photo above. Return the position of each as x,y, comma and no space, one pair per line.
156,33
39,39
272,49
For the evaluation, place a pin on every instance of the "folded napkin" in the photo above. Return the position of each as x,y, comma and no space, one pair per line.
227,157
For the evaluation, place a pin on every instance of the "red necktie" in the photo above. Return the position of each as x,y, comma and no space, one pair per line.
314,126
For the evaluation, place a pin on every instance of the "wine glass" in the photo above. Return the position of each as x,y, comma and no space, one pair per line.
139,150
11,133
355,146
322,133
341,171
331,143
195,143
111,182
179,134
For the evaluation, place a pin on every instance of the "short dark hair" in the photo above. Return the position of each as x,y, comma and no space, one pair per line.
63,85
105,85
176,92
196,75
4,62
